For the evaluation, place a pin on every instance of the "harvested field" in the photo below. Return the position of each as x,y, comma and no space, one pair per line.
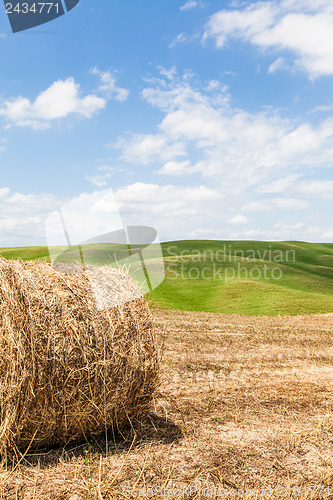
246,403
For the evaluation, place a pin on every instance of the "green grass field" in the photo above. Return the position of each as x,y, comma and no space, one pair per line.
244,277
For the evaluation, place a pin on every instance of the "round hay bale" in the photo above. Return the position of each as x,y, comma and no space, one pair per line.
68,369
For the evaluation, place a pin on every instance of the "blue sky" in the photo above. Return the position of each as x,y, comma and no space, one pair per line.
208,119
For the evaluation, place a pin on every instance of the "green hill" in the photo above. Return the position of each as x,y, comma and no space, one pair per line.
244,277
247,277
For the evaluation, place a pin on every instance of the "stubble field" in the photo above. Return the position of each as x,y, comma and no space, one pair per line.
245,410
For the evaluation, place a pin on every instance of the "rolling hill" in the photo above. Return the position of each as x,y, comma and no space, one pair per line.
242,277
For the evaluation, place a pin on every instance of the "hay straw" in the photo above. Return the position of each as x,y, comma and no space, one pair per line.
67,369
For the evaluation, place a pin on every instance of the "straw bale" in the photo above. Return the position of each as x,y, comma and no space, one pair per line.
67,368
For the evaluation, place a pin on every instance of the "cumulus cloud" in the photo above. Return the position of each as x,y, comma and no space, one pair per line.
146,148
4,192
202,132
176,211
303,28
23,215
62,99
236,153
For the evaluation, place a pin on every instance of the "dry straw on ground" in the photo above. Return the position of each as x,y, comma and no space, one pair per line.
246,404
67,368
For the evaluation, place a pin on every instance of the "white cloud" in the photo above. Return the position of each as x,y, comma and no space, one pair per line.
180,38
104,174
277,65
176,211
242,24
141,193
98,180
274,203
4,192
279,185
177,168
327,235
201,132
290,203
259,234
22,217
108,85
191,4
236,153
324,108
60,100
303,28
288,227
257,206
317,188
238,219
146,148
168,73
